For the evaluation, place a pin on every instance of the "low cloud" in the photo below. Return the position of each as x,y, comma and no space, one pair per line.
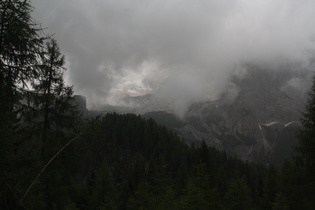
183,51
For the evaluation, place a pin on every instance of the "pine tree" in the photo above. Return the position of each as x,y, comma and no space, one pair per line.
102,190
51,101
53,117
281,202
20,44
269,188
237,195
200,191
306,147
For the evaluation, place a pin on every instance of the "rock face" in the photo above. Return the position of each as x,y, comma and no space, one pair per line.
259,124
80,102
256,119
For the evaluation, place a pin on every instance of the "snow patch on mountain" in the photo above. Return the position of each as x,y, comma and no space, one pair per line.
270,124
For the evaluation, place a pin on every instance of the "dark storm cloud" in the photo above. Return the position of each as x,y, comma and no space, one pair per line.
181,50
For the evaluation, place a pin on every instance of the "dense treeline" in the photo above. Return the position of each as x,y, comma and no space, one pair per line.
50,158
136,164
128,162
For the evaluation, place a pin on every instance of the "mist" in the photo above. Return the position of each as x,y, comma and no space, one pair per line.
183,51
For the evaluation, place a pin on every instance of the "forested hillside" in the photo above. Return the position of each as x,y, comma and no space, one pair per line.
53,158
126,162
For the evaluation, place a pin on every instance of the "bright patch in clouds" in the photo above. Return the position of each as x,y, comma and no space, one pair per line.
182,50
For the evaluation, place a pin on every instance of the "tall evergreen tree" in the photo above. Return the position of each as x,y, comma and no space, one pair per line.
51,101
306,147
20,44
270,187
237,195
281,202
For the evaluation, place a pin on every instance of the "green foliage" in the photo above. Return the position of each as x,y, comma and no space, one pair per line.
51,108
20,45
102,194
270,187
281,202
238,195
306,149
306,145
132,163
200,192
50,159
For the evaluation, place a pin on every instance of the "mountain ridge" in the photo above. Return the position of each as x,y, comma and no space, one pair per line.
249,120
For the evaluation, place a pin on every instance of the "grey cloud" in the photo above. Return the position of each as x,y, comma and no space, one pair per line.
181,50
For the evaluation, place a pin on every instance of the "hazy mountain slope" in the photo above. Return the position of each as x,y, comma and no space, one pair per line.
250,123
250,120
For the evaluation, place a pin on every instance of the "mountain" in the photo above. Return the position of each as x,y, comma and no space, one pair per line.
255,118
257,124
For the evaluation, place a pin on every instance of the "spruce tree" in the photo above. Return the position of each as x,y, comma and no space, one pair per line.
20,44
238,195
269,188
306,147
53,110
281,202
53,117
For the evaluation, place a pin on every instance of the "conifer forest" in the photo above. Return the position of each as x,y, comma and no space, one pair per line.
52,156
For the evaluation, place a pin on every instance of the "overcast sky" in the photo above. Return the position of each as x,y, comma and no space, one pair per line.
183,50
